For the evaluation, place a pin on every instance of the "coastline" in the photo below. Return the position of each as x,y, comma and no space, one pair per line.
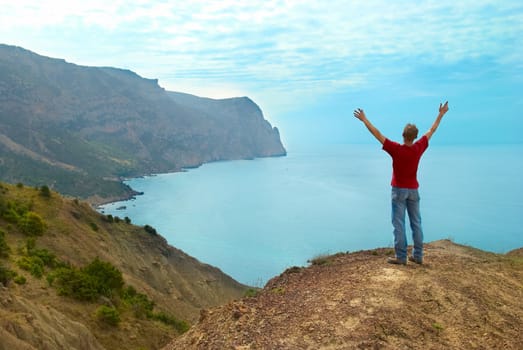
96,201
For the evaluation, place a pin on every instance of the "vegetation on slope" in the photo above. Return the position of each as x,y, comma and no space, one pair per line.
118,280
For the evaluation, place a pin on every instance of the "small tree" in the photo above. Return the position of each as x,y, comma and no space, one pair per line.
107,277
151,230
32,224
45,191
108,315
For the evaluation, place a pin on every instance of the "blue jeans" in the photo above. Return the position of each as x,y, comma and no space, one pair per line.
406,199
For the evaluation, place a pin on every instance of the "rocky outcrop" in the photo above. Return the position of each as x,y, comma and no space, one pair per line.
460,298
81,129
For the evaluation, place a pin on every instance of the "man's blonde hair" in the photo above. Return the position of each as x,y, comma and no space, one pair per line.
410,132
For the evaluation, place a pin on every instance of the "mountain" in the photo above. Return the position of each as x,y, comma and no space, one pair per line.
72,278
82,129
460,298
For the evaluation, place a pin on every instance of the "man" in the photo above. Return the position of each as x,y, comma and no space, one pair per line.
405,160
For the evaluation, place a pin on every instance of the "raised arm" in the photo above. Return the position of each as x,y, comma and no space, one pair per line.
442,110
360,114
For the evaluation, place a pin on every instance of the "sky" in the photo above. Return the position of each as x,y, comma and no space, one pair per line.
307,64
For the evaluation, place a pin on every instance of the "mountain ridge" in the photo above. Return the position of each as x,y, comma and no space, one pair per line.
81,130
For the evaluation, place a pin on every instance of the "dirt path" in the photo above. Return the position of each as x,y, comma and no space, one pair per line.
461,298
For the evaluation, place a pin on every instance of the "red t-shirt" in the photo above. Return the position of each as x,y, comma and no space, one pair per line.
405,160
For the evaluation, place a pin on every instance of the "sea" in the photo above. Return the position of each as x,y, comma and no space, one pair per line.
254,218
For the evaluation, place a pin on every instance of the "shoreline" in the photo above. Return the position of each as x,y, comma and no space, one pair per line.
96,201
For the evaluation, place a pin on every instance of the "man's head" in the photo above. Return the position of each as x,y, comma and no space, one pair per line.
410,132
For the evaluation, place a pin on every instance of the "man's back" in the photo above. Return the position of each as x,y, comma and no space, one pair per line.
405,161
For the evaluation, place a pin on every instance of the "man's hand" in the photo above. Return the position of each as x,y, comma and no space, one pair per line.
360,114
443,109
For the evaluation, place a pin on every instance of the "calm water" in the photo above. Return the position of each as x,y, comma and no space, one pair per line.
254,218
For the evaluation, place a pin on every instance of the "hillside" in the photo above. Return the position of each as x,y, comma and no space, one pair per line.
82,129
461,298
52,253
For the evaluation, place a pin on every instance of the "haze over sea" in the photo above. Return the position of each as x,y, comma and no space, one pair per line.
254,218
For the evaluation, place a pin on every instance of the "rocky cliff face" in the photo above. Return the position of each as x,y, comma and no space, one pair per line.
80,129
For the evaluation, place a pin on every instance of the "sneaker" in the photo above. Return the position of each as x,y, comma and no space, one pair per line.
396,261
414,260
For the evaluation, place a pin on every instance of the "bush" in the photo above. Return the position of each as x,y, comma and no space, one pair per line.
33,264
108,315
88,283
48,258
45,191
94,226
4,248
151,230
74,283
20,280
139,303
6,275
107,276
12,211
32,224
180,326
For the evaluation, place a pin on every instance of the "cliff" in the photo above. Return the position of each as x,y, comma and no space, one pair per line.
461,298
46,242
82,129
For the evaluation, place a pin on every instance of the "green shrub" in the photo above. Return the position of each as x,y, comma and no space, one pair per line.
151,230
320,259
127,220
30,244
74,283
251,292
138,302
32,224
107,276
20,279
88,283
11,212
180,326
108,315
45,191
33,264
48,258
6,275
20,185
94,226
50,278
4,248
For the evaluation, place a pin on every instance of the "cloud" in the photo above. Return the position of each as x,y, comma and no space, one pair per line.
272,47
